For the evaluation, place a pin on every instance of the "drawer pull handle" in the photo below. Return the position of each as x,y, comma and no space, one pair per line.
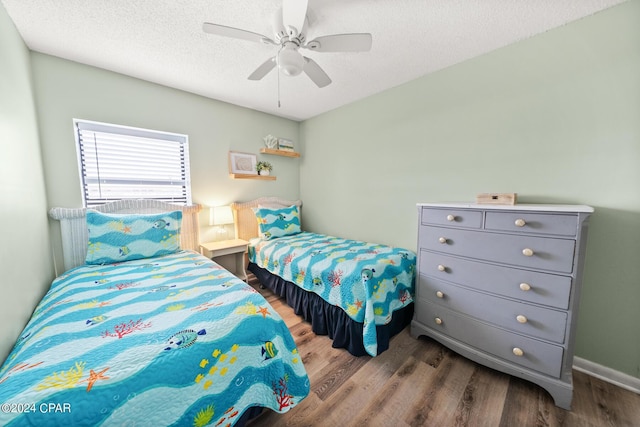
518,352
442,240
442,267
451,217
520,222
440,294
527,252
525,286
438,321
521,319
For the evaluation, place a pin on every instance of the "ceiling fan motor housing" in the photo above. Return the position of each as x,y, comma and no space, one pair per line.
289,60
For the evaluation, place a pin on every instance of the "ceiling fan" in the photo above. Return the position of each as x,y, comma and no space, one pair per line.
290,28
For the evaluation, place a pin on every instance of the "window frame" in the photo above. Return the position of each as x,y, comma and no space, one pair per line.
127,137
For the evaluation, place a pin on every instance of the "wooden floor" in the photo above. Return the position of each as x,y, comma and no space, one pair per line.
422,383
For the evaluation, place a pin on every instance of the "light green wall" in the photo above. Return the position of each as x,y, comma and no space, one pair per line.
66,90
555,118
25,264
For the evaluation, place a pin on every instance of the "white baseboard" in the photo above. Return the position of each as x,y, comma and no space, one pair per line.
609,375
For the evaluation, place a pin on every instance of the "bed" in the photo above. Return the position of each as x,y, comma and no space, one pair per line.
154,338
359,294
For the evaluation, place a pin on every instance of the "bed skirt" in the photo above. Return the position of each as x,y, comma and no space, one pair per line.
327,319
249,415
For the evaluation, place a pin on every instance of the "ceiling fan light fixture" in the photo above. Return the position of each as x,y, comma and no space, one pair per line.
290,61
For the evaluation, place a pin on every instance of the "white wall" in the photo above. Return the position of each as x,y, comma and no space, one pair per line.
25,260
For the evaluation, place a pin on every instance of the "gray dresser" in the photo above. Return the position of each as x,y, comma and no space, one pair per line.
500,285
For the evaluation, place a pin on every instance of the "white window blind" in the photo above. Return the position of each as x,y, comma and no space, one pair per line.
119,162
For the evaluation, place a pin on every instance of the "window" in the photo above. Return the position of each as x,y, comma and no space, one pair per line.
120,162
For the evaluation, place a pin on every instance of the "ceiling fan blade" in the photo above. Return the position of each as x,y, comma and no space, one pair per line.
235,33
263,69
315,73
294,13
360,42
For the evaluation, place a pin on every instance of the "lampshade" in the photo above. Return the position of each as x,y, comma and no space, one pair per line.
220,215
290,61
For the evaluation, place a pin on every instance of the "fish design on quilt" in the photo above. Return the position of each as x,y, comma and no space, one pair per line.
91,304
228,284
269,350
22,339
96,319
161,288
148,265
124,250
184,339
160,224
366,274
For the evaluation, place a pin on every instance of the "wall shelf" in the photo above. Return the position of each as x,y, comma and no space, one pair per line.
252,176
279,152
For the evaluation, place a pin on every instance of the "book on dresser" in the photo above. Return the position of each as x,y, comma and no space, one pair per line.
500,285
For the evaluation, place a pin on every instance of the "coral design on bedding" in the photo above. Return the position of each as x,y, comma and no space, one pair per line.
170,340
368,281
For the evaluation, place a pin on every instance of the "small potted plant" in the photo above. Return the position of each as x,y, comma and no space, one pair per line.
263,168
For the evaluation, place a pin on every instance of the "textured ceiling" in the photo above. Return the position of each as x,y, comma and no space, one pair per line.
162,41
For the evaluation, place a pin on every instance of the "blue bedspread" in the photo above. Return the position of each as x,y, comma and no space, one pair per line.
172,340
368,281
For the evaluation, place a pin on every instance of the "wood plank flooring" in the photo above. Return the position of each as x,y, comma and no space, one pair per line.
422,383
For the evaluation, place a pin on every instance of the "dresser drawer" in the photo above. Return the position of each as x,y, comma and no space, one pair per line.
525,222
537,355
518,317
452,217
526,285
544,253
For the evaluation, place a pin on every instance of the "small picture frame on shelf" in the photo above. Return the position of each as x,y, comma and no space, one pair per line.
285,144
242,163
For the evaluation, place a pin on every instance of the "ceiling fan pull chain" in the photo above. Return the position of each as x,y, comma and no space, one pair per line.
278,71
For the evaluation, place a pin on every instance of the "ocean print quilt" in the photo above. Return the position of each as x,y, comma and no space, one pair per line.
368,281
171,340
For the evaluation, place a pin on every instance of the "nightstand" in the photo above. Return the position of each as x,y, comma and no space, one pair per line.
229,254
